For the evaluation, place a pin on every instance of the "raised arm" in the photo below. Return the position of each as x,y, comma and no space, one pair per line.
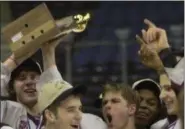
157,38
6,69
154,44
50,68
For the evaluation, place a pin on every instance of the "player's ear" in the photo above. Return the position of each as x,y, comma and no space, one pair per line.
49,115
132,109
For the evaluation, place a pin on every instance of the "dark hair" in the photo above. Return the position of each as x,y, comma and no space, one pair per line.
151,87
28,65
156,91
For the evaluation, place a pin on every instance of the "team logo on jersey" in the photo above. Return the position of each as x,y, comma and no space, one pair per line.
23,122
23,125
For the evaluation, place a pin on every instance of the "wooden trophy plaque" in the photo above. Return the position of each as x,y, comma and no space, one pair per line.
29,31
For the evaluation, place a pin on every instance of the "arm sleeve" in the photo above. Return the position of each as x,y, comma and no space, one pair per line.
90,121
49,75
176,74
12,113
5,78
173,68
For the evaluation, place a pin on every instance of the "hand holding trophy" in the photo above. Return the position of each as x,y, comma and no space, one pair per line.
77,24
27,34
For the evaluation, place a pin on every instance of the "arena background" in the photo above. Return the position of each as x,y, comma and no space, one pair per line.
107,51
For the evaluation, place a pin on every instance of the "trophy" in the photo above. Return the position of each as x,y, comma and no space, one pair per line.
77,24
27,33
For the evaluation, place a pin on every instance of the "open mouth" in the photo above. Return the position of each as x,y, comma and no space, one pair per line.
75,126
30,91
109,117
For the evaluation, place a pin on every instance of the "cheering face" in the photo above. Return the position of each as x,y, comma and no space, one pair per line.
69,114
169,97
148,109
116,110
25,87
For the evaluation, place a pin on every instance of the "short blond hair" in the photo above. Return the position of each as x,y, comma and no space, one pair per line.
130,95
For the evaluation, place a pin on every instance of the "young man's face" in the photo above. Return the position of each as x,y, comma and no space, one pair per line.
69,113
148,109
169,97
25,87
116,110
